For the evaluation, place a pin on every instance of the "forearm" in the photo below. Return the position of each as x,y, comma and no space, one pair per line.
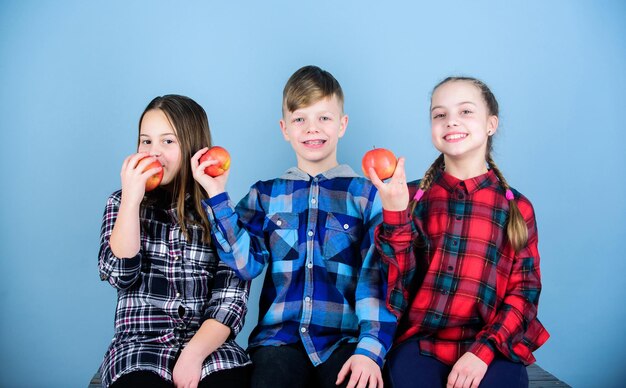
229,299
125,239
244,253
211,335
376,323
121,274
516,313
394,243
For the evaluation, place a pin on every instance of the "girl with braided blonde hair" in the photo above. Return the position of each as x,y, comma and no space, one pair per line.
461,256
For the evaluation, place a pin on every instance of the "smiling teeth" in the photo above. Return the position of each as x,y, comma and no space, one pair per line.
456,136
314,142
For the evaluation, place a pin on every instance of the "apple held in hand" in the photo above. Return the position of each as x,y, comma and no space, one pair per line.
221,155
155,180
382,160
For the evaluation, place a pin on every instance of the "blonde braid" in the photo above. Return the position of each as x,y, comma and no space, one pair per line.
516,228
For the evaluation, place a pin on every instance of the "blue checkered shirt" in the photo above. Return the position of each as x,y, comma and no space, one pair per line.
323,284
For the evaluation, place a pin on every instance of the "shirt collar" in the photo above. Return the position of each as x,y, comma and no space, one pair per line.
470,185
341,171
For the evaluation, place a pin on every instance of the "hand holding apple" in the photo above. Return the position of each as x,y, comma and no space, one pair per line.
140,173
381,160
223,158
394,194
211,169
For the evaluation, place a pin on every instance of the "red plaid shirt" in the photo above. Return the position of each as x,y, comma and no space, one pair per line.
455,282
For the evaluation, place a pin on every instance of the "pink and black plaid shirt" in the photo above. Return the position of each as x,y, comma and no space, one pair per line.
455,282
165,293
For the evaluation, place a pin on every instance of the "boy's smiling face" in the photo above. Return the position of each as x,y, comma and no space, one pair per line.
314,132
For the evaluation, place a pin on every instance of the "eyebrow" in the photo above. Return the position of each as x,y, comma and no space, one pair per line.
161,135
459,104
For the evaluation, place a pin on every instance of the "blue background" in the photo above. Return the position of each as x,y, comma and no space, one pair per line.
75,77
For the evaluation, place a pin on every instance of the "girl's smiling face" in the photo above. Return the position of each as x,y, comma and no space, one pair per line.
460,121
158,137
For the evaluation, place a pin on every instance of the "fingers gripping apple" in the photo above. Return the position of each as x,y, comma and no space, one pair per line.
223,158
155,180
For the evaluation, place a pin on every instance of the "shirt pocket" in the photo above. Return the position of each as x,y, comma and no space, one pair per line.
341,240
281,230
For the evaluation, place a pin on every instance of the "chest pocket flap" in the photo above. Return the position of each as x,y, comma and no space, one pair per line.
341,240
281,230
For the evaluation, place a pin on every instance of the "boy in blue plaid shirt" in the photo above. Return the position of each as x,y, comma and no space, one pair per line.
322,315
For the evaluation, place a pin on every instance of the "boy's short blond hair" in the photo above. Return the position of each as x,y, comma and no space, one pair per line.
307,86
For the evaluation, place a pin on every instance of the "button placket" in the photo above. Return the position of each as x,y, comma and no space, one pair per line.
307,305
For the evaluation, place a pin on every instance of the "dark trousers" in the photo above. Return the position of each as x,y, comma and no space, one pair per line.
231,378
406,367
289,366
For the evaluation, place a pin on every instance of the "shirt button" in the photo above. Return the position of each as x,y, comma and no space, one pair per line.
346,226
444,292
309,265
450,268
458,218
279,222
176,258
307,299
310,233
178,294
454,242
303,329
313,201
437,316
460,196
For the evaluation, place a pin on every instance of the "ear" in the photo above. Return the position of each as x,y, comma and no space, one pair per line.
343,125
283,129
492,125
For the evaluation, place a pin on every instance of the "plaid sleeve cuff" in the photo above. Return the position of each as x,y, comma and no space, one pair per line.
396,227
218,205
396,218
218,209
229,299
371,348
122,272
483,350
230,315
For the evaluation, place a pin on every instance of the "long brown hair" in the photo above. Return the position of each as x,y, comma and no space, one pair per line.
191,124
516,229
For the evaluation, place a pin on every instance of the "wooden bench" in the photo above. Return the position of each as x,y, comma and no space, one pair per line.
537,378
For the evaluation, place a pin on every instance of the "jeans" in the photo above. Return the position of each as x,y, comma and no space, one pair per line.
407,367
231,378
289,366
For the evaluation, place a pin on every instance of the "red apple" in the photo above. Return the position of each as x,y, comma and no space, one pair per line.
155,180
382,160
221,155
